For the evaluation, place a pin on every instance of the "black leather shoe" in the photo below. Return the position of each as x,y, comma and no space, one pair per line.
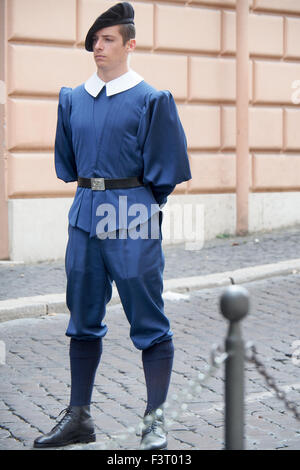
76,426
154,434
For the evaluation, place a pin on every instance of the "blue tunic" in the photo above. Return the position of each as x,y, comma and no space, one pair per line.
136,132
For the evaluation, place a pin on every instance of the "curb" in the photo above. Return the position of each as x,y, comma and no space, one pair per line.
239,276
24,307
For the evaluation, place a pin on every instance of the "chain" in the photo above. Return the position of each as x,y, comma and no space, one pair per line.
176,405
281,394
194,387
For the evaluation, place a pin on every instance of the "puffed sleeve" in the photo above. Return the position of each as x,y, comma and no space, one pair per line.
163,144
65,165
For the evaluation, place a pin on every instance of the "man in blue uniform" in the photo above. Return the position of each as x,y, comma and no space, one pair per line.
123,142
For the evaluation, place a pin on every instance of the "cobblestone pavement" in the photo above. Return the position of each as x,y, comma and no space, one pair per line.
220,254
35,381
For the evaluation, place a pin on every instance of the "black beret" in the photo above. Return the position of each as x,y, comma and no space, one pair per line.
121,13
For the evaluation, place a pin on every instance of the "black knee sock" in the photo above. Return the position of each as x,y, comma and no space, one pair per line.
157,364
84,360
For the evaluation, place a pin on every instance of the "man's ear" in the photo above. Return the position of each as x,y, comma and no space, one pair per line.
131,45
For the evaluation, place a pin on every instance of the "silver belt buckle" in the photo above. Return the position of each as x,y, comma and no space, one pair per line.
98,184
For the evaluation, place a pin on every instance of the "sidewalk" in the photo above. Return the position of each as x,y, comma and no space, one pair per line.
35,289
35,374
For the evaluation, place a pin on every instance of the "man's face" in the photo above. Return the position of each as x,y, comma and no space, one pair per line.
109,50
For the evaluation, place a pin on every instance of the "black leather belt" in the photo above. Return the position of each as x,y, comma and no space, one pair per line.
101,184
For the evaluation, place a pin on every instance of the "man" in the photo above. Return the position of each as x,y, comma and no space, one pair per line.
123,142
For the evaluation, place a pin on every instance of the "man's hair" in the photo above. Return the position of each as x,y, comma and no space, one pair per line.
127,32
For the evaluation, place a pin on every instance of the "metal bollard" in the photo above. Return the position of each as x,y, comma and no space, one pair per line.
234,304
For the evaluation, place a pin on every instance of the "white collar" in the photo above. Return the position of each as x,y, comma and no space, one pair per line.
126,81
